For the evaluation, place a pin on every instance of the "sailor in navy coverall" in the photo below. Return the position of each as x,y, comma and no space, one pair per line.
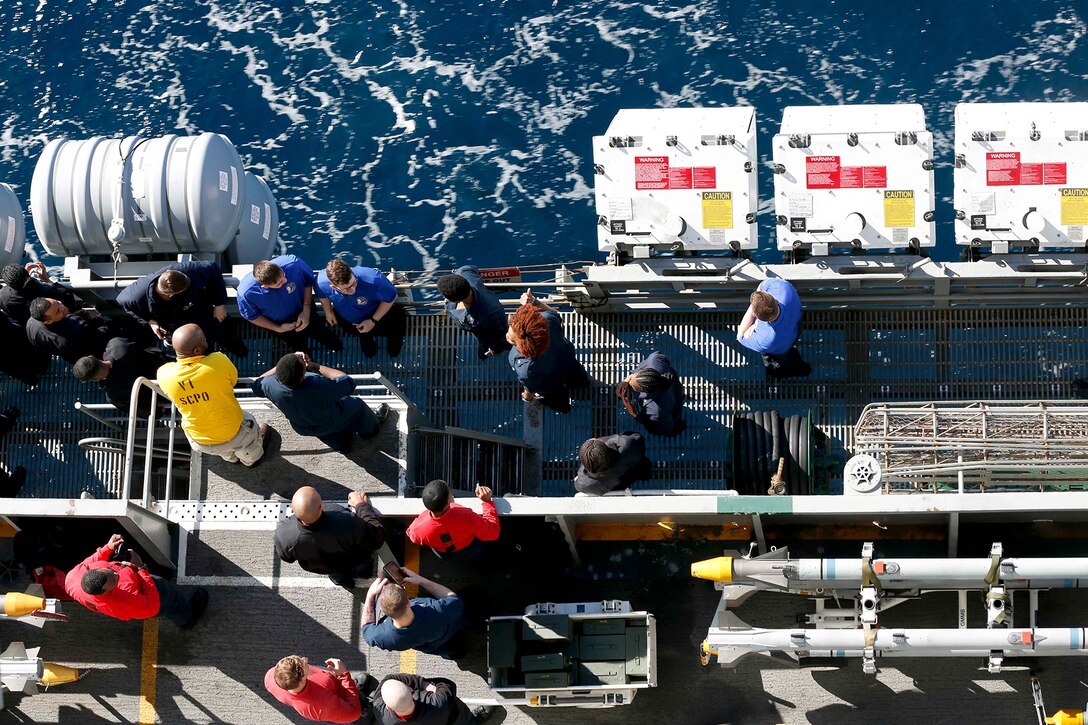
654,395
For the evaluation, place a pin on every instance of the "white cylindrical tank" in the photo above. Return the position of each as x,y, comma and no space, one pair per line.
12,227
170,194
258,232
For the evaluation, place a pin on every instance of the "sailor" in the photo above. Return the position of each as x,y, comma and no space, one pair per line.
362,302
278,296
654,395
322,694
21,288
317,401
115,581
771,326
179,294
326,538
430,701
71,335
542,357
450,529
201,385
423,624
612,463
476,309
123,361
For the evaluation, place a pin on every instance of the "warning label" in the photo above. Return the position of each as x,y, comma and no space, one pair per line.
680,177
822,172
654,172
1074,206
651,172
1004,169
717,210
899,208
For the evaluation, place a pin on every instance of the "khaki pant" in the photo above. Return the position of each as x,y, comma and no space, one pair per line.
246,445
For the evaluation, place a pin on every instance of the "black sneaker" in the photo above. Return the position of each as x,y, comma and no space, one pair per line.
199,602
382,413
14,483
1080,388
482,712
394,345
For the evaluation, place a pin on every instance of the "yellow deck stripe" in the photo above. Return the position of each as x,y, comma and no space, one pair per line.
148,673
411,561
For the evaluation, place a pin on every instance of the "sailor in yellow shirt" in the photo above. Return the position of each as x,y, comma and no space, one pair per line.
202,387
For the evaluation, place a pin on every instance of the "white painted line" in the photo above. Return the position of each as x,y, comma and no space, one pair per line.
268,582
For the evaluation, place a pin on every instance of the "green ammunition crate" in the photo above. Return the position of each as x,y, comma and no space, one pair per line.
534,680
538,663
636,651
545,626
601,648
602,673
502,643
602,626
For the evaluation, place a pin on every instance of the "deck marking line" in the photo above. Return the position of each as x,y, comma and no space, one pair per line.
148,673
411,561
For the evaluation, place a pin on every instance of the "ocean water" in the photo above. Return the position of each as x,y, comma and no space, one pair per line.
421,134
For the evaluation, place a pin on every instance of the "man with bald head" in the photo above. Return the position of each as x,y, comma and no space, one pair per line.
327,538
414,699
201,385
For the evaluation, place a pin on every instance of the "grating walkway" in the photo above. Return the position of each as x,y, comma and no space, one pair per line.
857,356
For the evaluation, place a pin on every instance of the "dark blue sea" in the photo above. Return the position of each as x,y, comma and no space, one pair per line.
415,134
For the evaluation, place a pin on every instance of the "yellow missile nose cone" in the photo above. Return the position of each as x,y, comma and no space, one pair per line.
54,674
18,605
715,570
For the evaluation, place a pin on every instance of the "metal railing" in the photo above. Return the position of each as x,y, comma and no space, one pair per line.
364,383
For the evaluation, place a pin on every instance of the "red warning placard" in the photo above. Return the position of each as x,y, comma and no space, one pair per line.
705,177
1031,174
680,177
874,177
1003,168
822,172
651,172
1054,173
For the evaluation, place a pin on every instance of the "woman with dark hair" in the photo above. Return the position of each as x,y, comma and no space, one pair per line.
542,357
654,395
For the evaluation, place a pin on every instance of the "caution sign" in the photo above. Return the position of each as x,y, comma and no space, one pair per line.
717,210
899,208
1074,206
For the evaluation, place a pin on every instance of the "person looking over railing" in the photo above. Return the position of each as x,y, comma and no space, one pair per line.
542,358
476,309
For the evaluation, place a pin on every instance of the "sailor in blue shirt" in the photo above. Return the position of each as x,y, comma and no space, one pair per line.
277,296
318,401
476,309
770,327
425,625
654,395
362,302
542,358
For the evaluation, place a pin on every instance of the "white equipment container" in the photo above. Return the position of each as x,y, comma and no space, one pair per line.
858,177
171,194
677,179
258,231
1021,175
12,227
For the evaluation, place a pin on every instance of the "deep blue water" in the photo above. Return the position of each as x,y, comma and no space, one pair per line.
418,134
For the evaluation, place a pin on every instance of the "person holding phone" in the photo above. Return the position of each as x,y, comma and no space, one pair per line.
327,538
323,694
423,624
450,529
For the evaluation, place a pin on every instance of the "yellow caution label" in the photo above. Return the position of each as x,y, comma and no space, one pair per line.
898,208
717,210
1074,206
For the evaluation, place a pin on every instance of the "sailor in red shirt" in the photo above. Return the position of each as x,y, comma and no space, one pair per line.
126,590
315,693
450,528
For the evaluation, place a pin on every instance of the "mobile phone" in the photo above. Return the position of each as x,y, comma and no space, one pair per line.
394,573
121,553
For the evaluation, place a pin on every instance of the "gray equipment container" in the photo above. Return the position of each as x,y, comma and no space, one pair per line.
171,194
12,227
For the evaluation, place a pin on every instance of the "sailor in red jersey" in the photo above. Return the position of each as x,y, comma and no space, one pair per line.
451,529
324,695
126,590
